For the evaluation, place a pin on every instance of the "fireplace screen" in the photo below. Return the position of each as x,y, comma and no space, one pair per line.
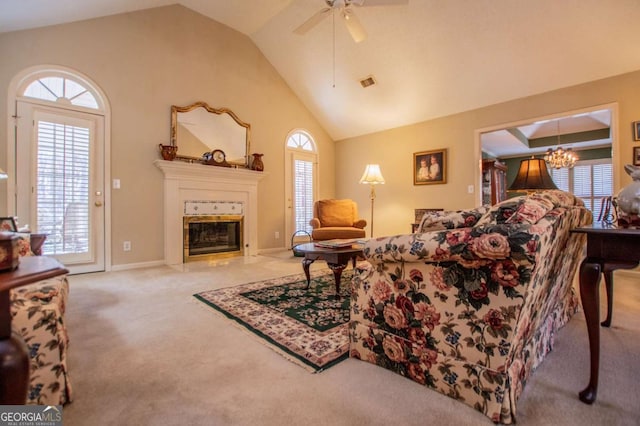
207,237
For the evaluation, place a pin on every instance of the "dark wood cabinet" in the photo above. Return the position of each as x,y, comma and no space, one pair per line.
494,182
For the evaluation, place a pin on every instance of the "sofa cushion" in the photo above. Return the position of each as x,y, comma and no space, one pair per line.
434,221
336,212
332,233
528,209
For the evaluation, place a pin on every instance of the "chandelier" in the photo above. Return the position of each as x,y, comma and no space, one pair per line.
560,158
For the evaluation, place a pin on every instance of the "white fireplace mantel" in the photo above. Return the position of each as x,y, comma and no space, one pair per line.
188,182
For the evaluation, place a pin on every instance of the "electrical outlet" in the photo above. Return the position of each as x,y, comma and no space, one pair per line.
126,246
277,235
470,189
116,184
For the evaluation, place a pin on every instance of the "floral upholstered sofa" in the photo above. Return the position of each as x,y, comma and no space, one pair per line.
37,312
470,304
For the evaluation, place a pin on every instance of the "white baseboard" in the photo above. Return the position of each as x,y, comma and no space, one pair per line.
271,250
127,266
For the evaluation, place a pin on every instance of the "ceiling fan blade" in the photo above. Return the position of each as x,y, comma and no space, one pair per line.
354,26
379,2
313,21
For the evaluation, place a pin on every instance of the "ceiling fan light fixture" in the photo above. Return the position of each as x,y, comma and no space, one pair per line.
356,29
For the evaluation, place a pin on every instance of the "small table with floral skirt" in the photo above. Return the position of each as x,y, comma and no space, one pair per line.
14,360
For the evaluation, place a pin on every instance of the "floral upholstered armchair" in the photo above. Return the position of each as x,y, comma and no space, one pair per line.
470,304
37,312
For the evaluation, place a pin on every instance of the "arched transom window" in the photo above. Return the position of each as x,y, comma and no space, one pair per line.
301,140
63,90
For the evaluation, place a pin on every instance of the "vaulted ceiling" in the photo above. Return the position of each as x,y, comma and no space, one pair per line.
430,58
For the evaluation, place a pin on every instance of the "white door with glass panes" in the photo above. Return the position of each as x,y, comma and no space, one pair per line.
60,184
301,186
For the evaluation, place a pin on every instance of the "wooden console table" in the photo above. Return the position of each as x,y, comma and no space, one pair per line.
608,248
14,359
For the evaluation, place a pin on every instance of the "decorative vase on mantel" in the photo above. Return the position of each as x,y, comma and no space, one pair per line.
168,152
628,200
257,163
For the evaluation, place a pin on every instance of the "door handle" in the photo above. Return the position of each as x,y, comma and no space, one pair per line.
98,203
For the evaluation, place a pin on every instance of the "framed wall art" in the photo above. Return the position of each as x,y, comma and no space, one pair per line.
636,130
636,155
430,167
8,224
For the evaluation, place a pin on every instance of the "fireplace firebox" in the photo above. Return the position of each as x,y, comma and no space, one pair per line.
210,237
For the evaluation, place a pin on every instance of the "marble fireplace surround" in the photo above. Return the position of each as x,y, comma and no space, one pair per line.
188,182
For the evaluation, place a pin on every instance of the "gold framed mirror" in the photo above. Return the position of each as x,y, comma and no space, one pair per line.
197,129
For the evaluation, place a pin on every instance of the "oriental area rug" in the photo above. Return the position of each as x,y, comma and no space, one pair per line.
306,326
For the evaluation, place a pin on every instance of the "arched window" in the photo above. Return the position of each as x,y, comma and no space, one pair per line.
302,171
61,89
301,140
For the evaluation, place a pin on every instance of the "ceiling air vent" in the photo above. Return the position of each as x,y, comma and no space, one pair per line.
367,81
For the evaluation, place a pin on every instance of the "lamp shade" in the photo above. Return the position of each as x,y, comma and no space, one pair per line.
532,175
372,175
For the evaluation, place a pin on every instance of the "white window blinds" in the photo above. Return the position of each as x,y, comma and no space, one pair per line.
303,194
63,187
590,180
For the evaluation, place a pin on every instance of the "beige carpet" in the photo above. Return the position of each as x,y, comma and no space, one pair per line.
144,351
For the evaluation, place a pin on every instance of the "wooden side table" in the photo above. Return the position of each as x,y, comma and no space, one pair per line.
337,259
14,359
608,248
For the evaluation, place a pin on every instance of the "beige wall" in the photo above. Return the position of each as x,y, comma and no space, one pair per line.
393,150
145,62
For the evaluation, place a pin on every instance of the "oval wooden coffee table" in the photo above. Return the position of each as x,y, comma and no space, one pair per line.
337,259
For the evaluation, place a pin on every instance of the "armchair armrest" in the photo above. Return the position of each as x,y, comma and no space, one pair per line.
464,245
315,223
360,223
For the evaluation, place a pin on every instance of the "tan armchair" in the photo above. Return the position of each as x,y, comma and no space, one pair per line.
336,219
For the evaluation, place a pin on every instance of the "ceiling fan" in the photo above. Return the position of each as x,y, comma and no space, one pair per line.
344,7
